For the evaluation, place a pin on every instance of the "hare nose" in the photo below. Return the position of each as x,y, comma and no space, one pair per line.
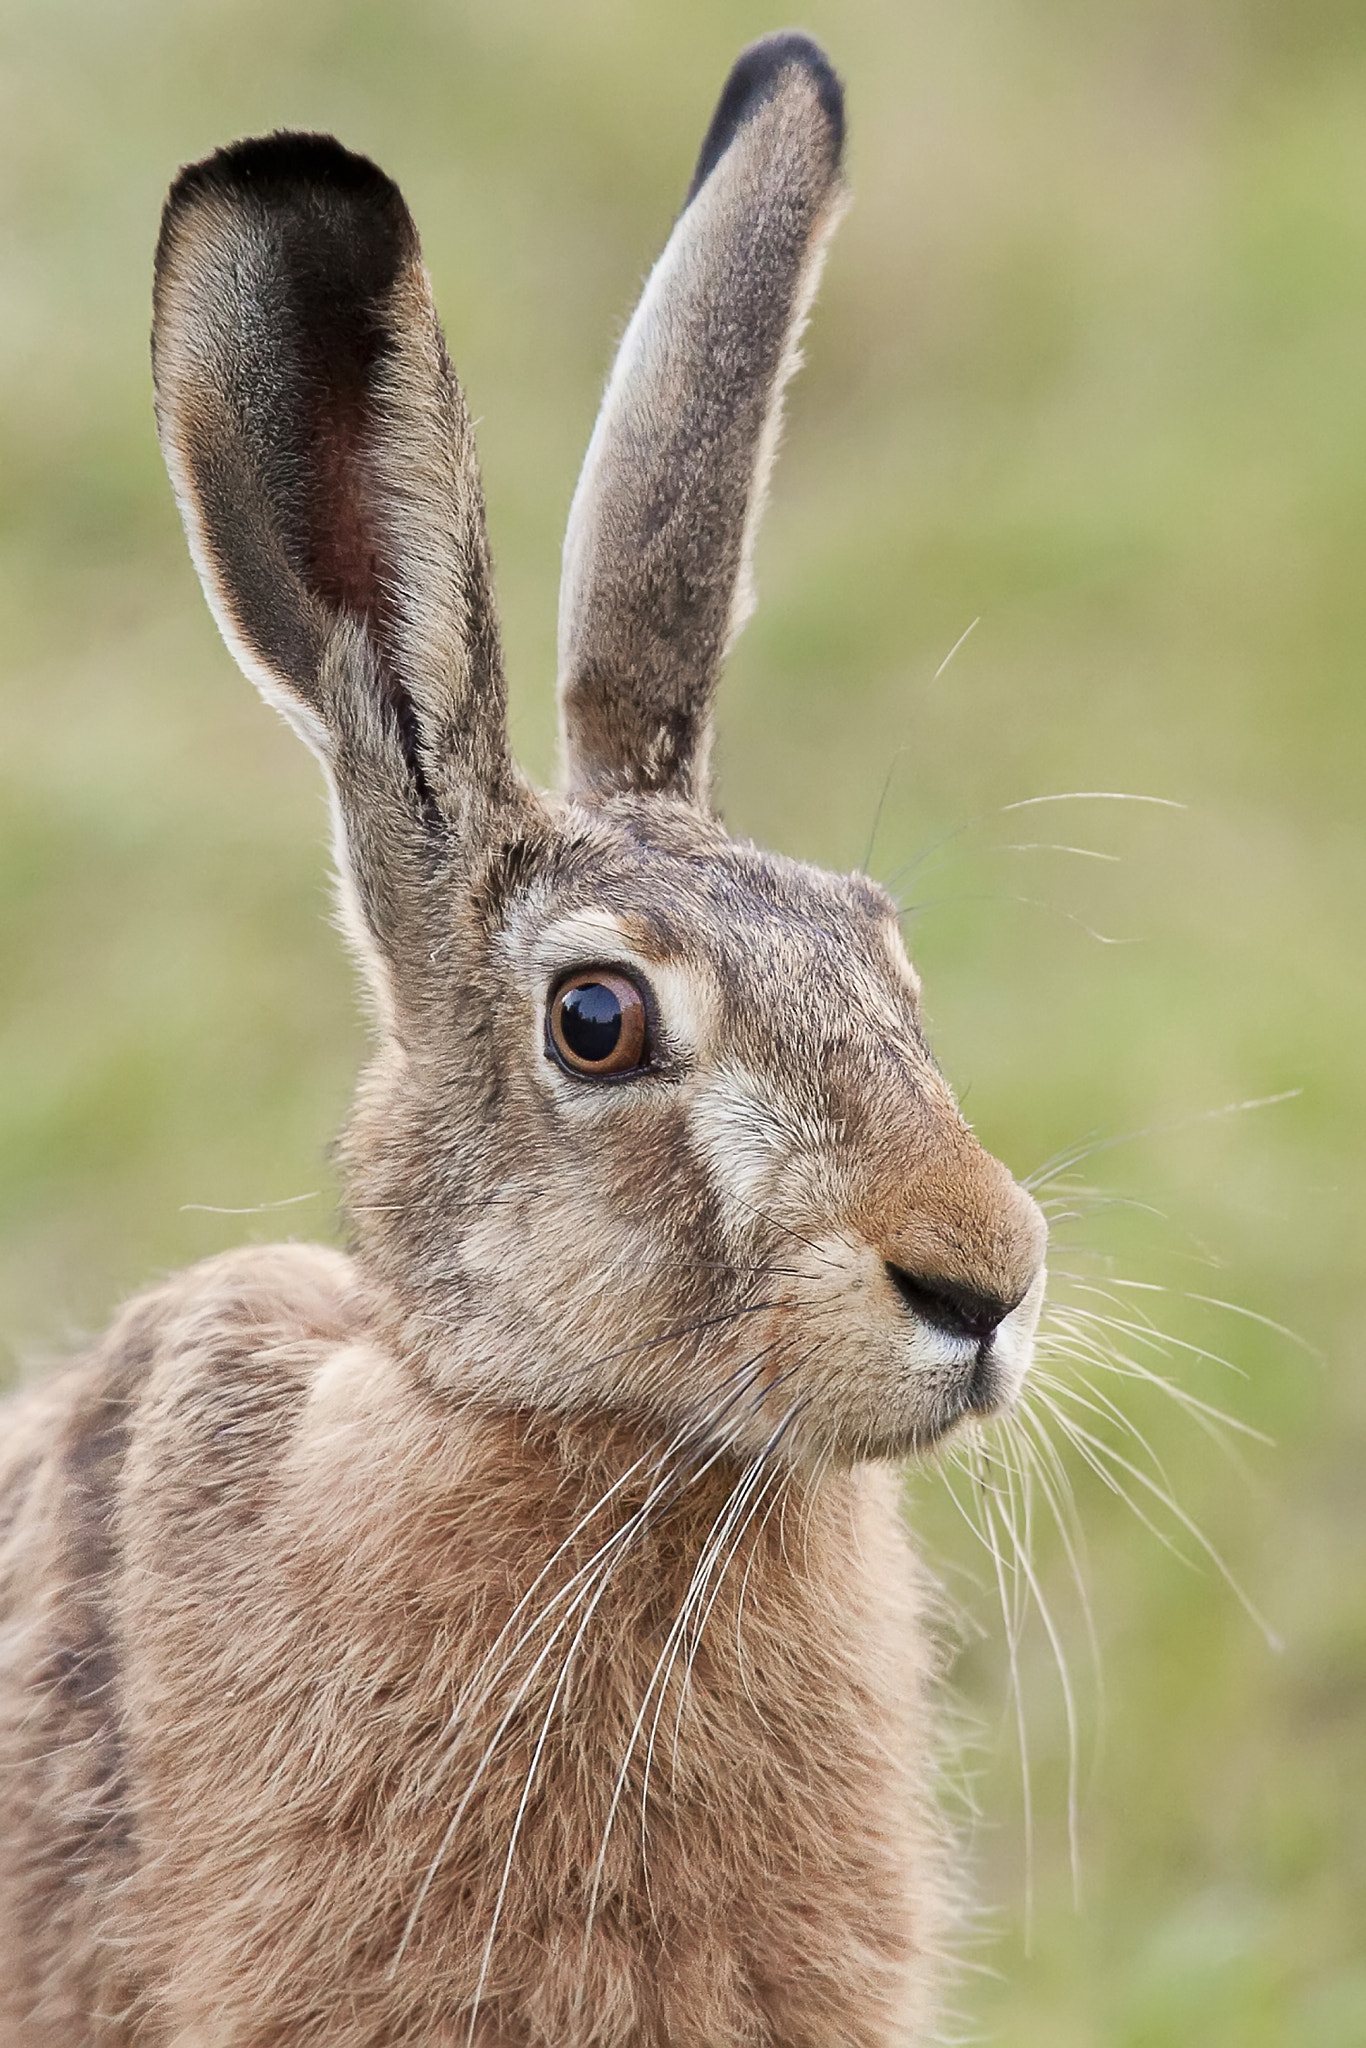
958,1311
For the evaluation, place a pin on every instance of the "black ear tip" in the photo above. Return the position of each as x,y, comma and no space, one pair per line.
280,169
756,76
325,193
286,158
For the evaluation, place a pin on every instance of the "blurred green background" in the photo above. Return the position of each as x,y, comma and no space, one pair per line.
1088,370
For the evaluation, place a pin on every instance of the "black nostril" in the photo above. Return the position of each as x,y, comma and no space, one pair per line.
958,1311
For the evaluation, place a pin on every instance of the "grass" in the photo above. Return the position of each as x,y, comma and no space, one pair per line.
1086,371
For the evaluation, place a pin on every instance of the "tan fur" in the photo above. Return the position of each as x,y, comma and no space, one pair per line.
314,1555
505,1635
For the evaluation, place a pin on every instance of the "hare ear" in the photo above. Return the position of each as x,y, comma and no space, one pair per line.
656,559
322,458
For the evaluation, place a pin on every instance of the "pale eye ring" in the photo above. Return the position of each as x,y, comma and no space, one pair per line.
597,1025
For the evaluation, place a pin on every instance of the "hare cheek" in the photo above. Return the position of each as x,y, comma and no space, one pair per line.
756,1153
738,1147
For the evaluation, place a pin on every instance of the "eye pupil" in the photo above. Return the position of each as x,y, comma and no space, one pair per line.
590,1020
597,1025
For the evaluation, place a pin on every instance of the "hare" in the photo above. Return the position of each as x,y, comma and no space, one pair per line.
504,1634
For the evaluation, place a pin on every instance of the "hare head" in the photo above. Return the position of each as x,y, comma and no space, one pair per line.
652,1128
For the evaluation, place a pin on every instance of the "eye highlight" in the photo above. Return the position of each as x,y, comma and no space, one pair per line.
597,1024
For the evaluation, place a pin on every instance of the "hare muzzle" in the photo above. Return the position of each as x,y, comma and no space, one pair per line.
974,1275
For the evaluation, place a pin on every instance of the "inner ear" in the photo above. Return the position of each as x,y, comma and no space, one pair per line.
348,563
346,557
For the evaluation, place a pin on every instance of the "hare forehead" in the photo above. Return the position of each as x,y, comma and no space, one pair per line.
732,929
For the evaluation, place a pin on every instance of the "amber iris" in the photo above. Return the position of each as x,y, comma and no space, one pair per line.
597,1024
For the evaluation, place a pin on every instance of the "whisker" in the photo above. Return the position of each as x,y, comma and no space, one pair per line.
1024,1551
723,1266
693,1435
824,1461
1235,1308
1087,796
1214,1422
659,1676
955,647
1017,1699
485,1760
1098,1403
560,1687
1056,1484
1096,1451
692,1599
1144,1332
774,1223
768,1478
774,1505
685,1683
975,1461
1084,1346
682,1330
1030,902
604,1559
927,853
877,814
1030,803
1051,846
1089,1148
600,1863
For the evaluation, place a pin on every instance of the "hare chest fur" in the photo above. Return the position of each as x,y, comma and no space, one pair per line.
505,1635
358,1736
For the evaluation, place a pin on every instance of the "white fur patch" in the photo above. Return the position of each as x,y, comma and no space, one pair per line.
355,1385
901,961
1013,1345
748,1136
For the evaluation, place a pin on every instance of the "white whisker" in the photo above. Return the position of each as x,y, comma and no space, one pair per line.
1089,796
1096,1451
1088,1148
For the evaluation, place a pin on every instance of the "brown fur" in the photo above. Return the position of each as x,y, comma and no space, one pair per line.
506,1635
310,1558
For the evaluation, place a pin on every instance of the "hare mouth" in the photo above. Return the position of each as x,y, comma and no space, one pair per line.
987,1341
990,1386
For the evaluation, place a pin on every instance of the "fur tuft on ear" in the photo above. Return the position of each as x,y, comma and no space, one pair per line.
656,581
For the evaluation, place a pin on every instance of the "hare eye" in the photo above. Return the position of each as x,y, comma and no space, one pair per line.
597,1024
